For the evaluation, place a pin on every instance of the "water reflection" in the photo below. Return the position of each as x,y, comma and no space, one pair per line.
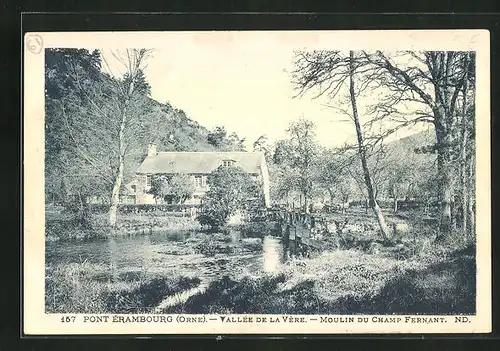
271,254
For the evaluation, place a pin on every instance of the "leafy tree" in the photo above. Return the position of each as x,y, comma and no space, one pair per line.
299,155
159,186
235,143
344,191
219,138
404,168
181,187
262,145
283,184
424,189
231,189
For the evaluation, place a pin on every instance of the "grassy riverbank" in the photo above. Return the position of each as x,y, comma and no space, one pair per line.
90,288
350,282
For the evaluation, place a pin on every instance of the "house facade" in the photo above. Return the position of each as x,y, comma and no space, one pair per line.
197,165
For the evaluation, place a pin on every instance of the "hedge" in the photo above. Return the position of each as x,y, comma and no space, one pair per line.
142,208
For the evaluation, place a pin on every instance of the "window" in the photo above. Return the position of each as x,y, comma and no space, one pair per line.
227,163
204,181
148,180
197,181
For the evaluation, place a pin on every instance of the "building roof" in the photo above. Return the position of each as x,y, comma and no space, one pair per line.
199,162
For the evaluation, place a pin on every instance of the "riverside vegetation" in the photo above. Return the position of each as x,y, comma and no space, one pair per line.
357,275
97,130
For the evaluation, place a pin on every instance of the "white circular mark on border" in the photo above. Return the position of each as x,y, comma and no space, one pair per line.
34,43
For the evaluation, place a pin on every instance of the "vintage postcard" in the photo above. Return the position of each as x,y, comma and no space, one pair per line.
257,182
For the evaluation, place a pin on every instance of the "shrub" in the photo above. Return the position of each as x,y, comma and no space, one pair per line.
231,189
215,215
70,227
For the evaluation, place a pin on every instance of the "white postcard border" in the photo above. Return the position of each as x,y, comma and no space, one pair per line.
36,322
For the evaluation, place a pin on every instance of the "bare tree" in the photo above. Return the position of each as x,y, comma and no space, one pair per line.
328,72
434,81
362,152
134,63
113,125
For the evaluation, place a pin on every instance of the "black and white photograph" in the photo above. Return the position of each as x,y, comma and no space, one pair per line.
222,177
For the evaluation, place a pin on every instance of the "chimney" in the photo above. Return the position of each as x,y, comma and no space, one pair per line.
152,149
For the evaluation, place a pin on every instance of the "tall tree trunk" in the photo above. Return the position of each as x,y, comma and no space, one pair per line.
445,174
384,230
463,179
395,204
115,195
471,213
444,121
463,160
134,61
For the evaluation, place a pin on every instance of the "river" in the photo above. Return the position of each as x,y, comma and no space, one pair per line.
165,254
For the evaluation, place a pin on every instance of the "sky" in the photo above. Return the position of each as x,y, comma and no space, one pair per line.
239,81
